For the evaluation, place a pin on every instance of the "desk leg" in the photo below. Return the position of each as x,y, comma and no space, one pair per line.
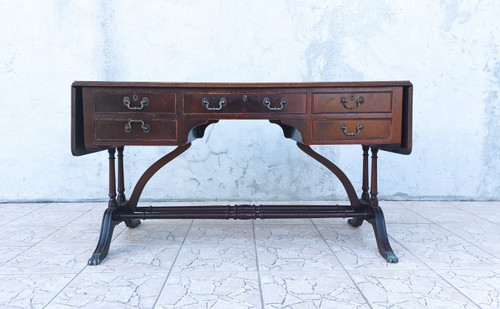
378,221
121,199
131,205
108,222
365,197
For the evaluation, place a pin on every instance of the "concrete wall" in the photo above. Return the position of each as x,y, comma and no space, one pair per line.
448,49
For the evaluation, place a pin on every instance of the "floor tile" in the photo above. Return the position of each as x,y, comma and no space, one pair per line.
46,219
153,232
440,248
440,212
22,235
31,291
486,210
52,259
356,248
216,257
474,232
211,290
220,234
23,208
408,289
111,290
311,289
139,258
481,286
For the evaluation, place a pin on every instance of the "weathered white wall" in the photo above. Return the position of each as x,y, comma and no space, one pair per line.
448,49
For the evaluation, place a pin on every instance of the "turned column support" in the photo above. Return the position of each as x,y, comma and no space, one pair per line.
112,203
365,196
373,187
121,183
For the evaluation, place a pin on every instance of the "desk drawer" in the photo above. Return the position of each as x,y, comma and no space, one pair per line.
135,130
131,100
353,130
359,101
245,103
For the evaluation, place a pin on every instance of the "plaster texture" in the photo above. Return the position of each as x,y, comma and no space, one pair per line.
448,49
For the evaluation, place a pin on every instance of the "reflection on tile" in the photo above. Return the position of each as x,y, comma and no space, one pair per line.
408,289
111,290
211,290
441,249
33,290
482,286
312,289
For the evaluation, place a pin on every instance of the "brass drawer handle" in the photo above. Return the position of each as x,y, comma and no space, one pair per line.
359,128
144,126
222,102
359,101
127,102
267,103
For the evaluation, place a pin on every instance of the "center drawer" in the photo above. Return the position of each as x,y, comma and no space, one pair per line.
245,103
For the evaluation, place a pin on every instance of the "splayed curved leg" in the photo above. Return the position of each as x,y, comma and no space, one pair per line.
108,222
378,223
107,227
136,194
377,220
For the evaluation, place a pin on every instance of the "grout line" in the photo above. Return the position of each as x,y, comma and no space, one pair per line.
172,266
257,264
342,265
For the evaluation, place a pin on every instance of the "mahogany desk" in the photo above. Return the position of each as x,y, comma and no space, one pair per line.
111,115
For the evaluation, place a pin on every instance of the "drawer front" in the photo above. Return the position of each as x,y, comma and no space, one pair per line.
141,101
368,101
245,103
135,130
354,130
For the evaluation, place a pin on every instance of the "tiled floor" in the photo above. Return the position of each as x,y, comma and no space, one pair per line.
449,258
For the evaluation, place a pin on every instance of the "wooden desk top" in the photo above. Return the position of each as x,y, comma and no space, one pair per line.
110,114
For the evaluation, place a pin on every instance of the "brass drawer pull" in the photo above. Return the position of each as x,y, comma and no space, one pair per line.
144,126
267,103
127,102
222,102
359,128
359,101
